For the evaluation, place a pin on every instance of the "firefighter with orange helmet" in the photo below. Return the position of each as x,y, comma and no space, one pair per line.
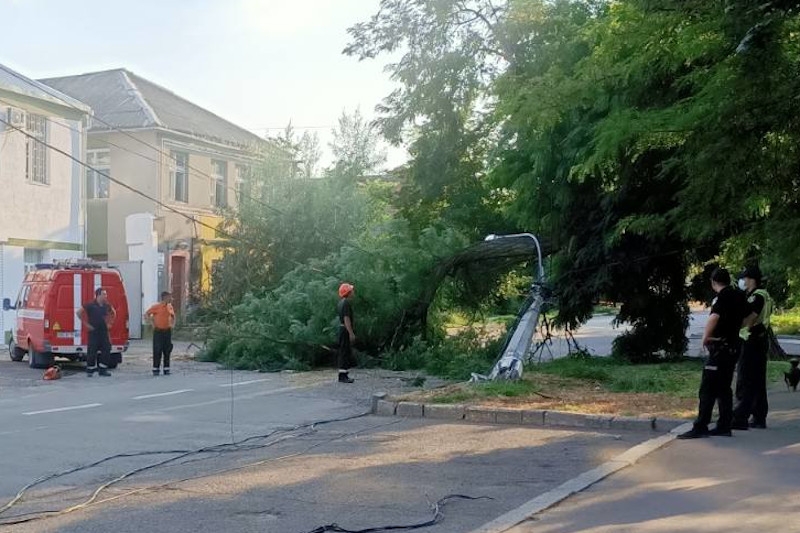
347,335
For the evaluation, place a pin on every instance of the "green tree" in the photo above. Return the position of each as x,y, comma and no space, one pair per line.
355,147
638,136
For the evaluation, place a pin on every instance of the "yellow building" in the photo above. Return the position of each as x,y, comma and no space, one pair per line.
187,162
211,248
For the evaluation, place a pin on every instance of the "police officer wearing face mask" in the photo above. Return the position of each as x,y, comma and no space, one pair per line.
751,381
721,339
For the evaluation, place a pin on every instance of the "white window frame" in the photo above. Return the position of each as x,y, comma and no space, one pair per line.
179,172
219,185
241,181
94,158
29,263
36,150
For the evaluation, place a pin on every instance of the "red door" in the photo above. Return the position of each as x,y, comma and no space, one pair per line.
178,275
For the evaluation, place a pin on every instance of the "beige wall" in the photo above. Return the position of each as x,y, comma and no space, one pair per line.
150,173
138,171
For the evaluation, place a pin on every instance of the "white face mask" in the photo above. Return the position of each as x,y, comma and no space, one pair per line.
742,285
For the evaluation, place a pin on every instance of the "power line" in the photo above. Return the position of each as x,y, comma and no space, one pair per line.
198,172
168,207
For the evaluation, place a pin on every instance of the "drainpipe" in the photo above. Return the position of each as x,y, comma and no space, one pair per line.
82,188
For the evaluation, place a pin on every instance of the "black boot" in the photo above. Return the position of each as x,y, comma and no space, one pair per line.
344,378
694,433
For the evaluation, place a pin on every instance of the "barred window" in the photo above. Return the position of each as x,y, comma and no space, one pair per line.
97,185
36,167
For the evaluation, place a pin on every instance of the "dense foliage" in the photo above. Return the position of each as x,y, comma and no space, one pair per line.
643,140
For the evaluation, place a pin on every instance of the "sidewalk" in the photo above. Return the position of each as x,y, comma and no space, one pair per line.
748,483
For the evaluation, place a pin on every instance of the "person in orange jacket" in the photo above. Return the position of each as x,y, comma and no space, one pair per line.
162,316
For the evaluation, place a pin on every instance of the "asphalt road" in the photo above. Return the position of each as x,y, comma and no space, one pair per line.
359,473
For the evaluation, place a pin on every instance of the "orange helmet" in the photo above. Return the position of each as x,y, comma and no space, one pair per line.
345,289
54,372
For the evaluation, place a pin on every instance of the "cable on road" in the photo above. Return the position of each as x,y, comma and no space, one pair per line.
181,454
438,516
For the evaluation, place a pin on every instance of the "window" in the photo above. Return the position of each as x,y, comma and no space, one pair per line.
241,183
31,258
22,299
179,177
97,185
36,166
219,187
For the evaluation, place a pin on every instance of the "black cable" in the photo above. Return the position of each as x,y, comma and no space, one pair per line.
254,246
438,516
217,448
198,172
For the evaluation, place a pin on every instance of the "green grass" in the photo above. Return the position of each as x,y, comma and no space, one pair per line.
680,379
494,389
604,310
786,322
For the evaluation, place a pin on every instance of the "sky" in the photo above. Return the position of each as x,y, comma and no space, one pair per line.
257,63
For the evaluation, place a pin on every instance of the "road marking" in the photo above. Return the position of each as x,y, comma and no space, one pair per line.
61,409
14,432
238,398
228,385
160,394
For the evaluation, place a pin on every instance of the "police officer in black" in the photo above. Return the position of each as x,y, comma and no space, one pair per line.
96,317
751,373
721,339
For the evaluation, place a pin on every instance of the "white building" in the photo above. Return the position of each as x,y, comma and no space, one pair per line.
42,213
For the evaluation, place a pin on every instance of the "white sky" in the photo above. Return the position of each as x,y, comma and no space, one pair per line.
258,63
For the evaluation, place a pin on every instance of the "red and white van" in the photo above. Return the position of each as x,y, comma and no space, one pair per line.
47,325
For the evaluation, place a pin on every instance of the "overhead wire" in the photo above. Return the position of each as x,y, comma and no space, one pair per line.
198,173
158,202
181,454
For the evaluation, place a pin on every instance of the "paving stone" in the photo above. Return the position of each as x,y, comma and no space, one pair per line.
533,417
508,416
668,424
633,423
558,418
411,410
449,412
375,399
481,414
385,408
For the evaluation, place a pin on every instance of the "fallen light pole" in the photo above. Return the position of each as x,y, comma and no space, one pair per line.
518,344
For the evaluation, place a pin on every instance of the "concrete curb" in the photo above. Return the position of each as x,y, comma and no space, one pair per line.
383,406
578,484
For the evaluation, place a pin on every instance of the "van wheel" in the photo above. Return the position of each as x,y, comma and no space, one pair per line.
15,351
39,359
115,359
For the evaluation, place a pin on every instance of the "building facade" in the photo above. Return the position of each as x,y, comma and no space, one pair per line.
173,159
42,142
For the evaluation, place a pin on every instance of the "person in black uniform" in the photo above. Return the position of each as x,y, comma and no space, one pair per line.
751,373
721,339
97,316
346,333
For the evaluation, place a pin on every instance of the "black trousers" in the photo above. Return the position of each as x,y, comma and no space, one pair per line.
751,381
345,356
98,342
715,386
162,346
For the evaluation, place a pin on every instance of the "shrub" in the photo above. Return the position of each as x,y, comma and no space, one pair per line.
292,325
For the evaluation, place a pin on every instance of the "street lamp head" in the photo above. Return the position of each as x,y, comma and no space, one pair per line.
490,237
